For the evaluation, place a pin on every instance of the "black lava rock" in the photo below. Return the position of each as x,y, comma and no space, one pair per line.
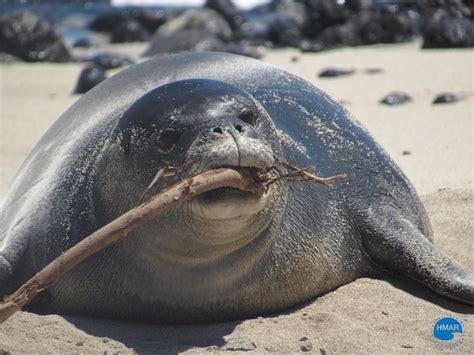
449,32
374,71
435,9
149,19
90,76
31,39
129,31
8,58
310,46
228,11
195,30
396,98
445,98
287,27
371,28
335,72
108,61
82,43
356,6
323,14
315,25
255,32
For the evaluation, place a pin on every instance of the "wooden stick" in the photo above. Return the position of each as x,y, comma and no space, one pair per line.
179,193
243,179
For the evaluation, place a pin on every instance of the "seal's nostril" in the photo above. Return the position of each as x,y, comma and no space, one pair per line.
217,130
238,128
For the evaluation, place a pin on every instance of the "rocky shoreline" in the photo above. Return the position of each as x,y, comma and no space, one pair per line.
308,25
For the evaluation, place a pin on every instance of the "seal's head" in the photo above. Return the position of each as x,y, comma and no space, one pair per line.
198,125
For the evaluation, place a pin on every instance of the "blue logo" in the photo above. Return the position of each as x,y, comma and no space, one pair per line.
448,332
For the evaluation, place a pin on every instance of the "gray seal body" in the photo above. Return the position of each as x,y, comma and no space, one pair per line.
225,255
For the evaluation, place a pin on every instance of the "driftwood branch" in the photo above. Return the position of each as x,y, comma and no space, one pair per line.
183,191
244,179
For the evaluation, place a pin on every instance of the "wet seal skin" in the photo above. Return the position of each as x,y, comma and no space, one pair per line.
227,254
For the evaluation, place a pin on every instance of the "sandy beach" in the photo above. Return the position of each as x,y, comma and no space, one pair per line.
433,144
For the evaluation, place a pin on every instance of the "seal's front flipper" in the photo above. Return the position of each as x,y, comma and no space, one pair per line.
393,241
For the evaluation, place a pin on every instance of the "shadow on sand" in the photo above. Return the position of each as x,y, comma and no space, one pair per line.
146,338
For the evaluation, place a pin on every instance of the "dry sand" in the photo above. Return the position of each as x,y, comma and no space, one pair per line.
366,316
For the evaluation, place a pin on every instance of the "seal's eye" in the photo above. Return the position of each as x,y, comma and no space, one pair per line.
248,116
166,140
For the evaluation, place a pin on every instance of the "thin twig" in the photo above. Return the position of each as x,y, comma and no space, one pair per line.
166,171
305,175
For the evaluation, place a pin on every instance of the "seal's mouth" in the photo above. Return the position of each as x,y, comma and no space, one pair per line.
226,204
227,193
234,193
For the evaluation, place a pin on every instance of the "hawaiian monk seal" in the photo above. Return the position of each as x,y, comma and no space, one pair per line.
225,255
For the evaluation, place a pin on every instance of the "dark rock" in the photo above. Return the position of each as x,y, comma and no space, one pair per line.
335,72
359,5
287,28
149,19
340,35
82,43
323,14
310,46
90,76
396,98
28,37
129,31
374,71
371,28
305,344
446,98
8,58
228,11
285,32
315,25
195,30
434,9
449,32
256,32
153,19
295,59
111,60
